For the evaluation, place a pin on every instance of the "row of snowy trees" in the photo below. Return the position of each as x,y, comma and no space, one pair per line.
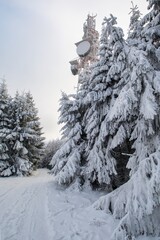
112,125
21,141
49,151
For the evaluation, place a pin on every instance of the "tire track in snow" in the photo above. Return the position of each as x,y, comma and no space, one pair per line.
5,193
14,214
34,221
34,208
24,214
13,187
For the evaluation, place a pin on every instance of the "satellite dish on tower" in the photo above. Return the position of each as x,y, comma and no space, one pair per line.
83,48
87,47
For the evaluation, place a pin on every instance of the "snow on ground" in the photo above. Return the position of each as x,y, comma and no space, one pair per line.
34,208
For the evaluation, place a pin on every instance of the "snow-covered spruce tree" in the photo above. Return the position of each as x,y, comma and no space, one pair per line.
96,101
5,130
98,91
35,141
28,143
135,27
67,160
137,202
104,168
150,35
18,137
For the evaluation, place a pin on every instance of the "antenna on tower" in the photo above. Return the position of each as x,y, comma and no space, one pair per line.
86,48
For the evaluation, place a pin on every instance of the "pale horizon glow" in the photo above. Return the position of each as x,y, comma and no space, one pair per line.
37,43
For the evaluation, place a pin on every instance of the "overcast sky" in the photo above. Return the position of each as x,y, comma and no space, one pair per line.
37,42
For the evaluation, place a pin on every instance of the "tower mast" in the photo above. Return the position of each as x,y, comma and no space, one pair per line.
86,48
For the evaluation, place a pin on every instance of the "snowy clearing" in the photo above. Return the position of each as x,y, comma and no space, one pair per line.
34,208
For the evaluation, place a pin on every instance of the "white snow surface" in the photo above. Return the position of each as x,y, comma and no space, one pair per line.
34,208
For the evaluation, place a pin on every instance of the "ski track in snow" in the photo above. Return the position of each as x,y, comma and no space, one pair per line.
34,208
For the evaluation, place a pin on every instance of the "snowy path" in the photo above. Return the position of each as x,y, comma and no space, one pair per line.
32,208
